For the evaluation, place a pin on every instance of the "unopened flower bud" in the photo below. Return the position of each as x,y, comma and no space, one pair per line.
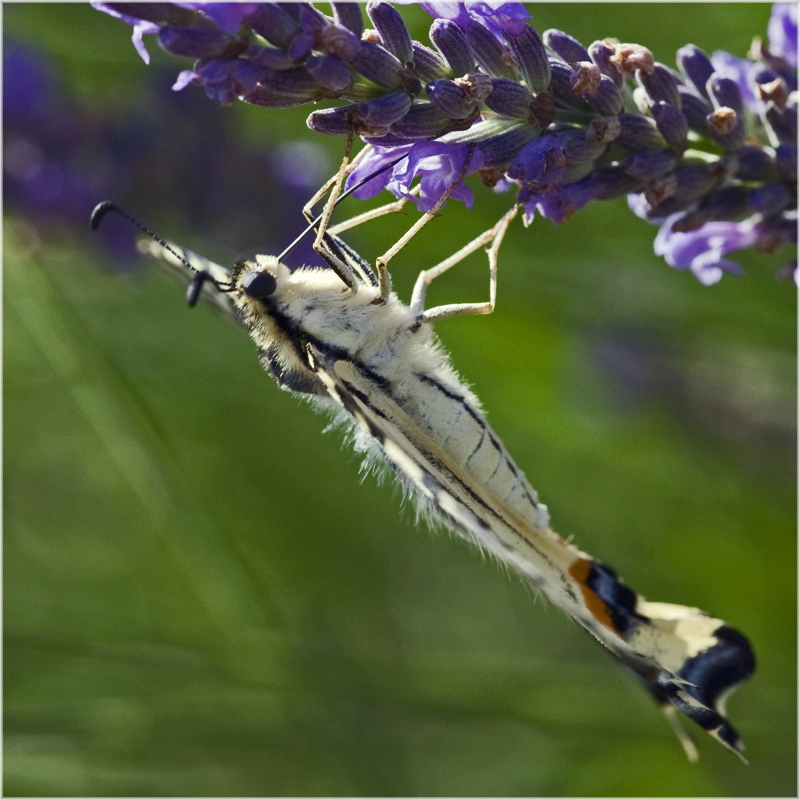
393,31
607,99
452,43
423,121
692,181
527,48
660,85
571,50
429,65
579,148
378,65
330,72
638,133
783,123
336,40
348,15
649,164
268,57
450,98
723,204
285,88
274,24
724,92
509,98
671,124
332,121
696,111
502,148
753,164
383,111
196,41
610,182
489,53
786,161
696,66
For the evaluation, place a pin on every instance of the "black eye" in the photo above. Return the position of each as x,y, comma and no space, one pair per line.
259,285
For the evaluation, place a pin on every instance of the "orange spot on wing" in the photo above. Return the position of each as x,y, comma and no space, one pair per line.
580,570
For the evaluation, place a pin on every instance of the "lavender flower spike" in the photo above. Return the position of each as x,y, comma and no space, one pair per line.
705,146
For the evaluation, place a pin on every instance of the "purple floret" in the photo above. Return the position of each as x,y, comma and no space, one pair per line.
435,163
506,17
140,27
782,32
702,250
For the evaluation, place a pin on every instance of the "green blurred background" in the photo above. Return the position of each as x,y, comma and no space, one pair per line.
201,595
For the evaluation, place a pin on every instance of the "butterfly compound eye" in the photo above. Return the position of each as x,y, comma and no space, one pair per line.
259,285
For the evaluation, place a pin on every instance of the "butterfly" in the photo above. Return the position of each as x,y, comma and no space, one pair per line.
343,340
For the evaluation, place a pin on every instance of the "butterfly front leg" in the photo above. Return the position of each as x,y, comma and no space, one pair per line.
333,188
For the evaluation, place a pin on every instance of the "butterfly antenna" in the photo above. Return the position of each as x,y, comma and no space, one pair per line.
101,209
313,224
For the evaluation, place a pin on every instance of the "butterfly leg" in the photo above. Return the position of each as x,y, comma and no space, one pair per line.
368,216
333,187
494,237
385,280
344,170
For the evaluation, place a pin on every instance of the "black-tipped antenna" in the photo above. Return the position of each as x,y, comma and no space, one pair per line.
193,292
339,199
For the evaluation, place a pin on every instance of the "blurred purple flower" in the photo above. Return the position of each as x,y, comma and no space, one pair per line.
782,32
28,84
702,250
60,156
